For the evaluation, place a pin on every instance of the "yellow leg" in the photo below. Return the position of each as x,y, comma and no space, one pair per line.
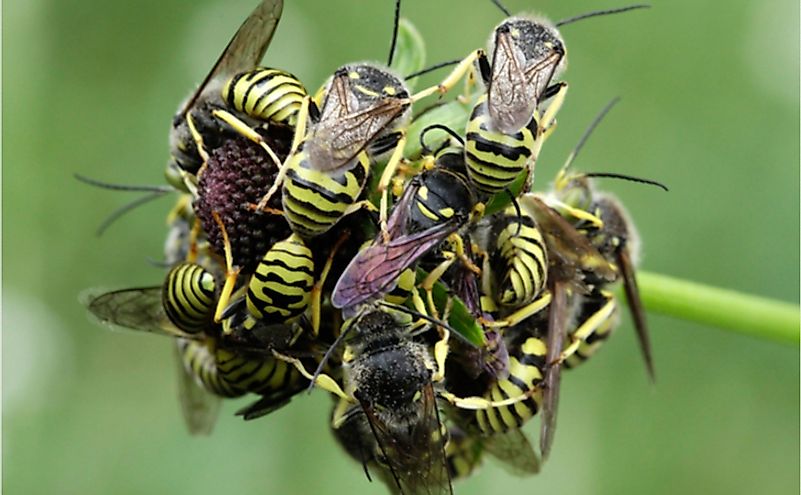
475,403
317,291
453,78
458,247
589,326
548,117
322,381
297,138
428,283
243,129
197,138
440,355
386,177
339,413
523,313
230,273
576,212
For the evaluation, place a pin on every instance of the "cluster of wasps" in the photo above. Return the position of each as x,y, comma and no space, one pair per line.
436,299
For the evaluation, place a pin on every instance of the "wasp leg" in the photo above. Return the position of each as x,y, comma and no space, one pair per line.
230,273
453,78
297,138
596,322
243,129
322,380
386,177
548,118
577,213
523,313
315,303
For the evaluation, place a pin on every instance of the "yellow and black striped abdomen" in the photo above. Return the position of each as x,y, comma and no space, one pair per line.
269,95
462,454
525,375
201,363
607,314
494,159
400,294
188,297
256,375
314,200
520,247
280,288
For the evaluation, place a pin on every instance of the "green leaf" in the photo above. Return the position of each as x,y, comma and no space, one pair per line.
410,52
459,318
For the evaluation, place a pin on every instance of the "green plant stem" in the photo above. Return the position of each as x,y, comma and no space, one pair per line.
747,314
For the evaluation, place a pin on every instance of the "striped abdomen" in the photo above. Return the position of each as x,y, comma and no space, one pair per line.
199,362
260,376
462,454
520,250
269,95
280,288
602,315
188,297
525,375
495,159
401,293
314,200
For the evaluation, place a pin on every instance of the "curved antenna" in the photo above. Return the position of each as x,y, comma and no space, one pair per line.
122,210
598,118
597,13
394,33
432,68
631,178
155,192
503,9
122,187
441,127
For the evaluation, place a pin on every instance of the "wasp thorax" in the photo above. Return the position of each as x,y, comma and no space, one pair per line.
372,82
536,38
238,174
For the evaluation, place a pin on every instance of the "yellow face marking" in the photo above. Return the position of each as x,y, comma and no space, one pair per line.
426,212
353,75
366,91
390,90
423,193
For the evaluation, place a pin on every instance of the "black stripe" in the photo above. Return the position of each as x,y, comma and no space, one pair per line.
283,264
310,186
486,145
533,360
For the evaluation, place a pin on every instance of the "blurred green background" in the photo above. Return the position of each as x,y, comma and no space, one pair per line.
710,107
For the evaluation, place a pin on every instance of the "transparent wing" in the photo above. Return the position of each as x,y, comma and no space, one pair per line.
200,407
540,72
569,250
414,457
511,99
557,331
132,309
514,450
244,51
344,129
626,268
